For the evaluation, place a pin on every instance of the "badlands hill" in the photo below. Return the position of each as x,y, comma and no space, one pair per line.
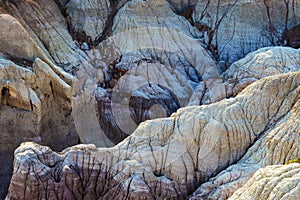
150,99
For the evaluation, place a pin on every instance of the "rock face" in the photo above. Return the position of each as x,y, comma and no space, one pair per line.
282,183
35,96
233,28
140,71
115,39
292,37
88,17
15,40
256,65
91,71
169,158
277,146
47,25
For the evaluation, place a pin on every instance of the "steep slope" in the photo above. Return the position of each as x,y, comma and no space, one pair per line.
277,146
256,65
233,28
165,158
91,71
147,67
273,182
35,97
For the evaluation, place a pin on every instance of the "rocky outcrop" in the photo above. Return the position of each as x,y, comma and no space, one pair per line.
46,24
15,40
256,65
35,96
30,81
272,182
88,18
147,68
165,45
231,29
279,145
35,106
43,32
261,63
99,68
169,158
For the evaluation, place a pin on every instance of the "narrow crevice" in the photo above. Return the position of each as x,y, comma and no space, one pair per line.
62,7
80,37
186,13
112,75
292,37
4,96
31,105
23,62
51,86
270,28
115,6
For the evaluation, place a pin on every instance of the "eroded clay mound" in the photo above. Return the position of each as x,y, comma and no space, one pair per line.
98,68
163,158
272,182
233,28
146,67
277,146
256,65
35,96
